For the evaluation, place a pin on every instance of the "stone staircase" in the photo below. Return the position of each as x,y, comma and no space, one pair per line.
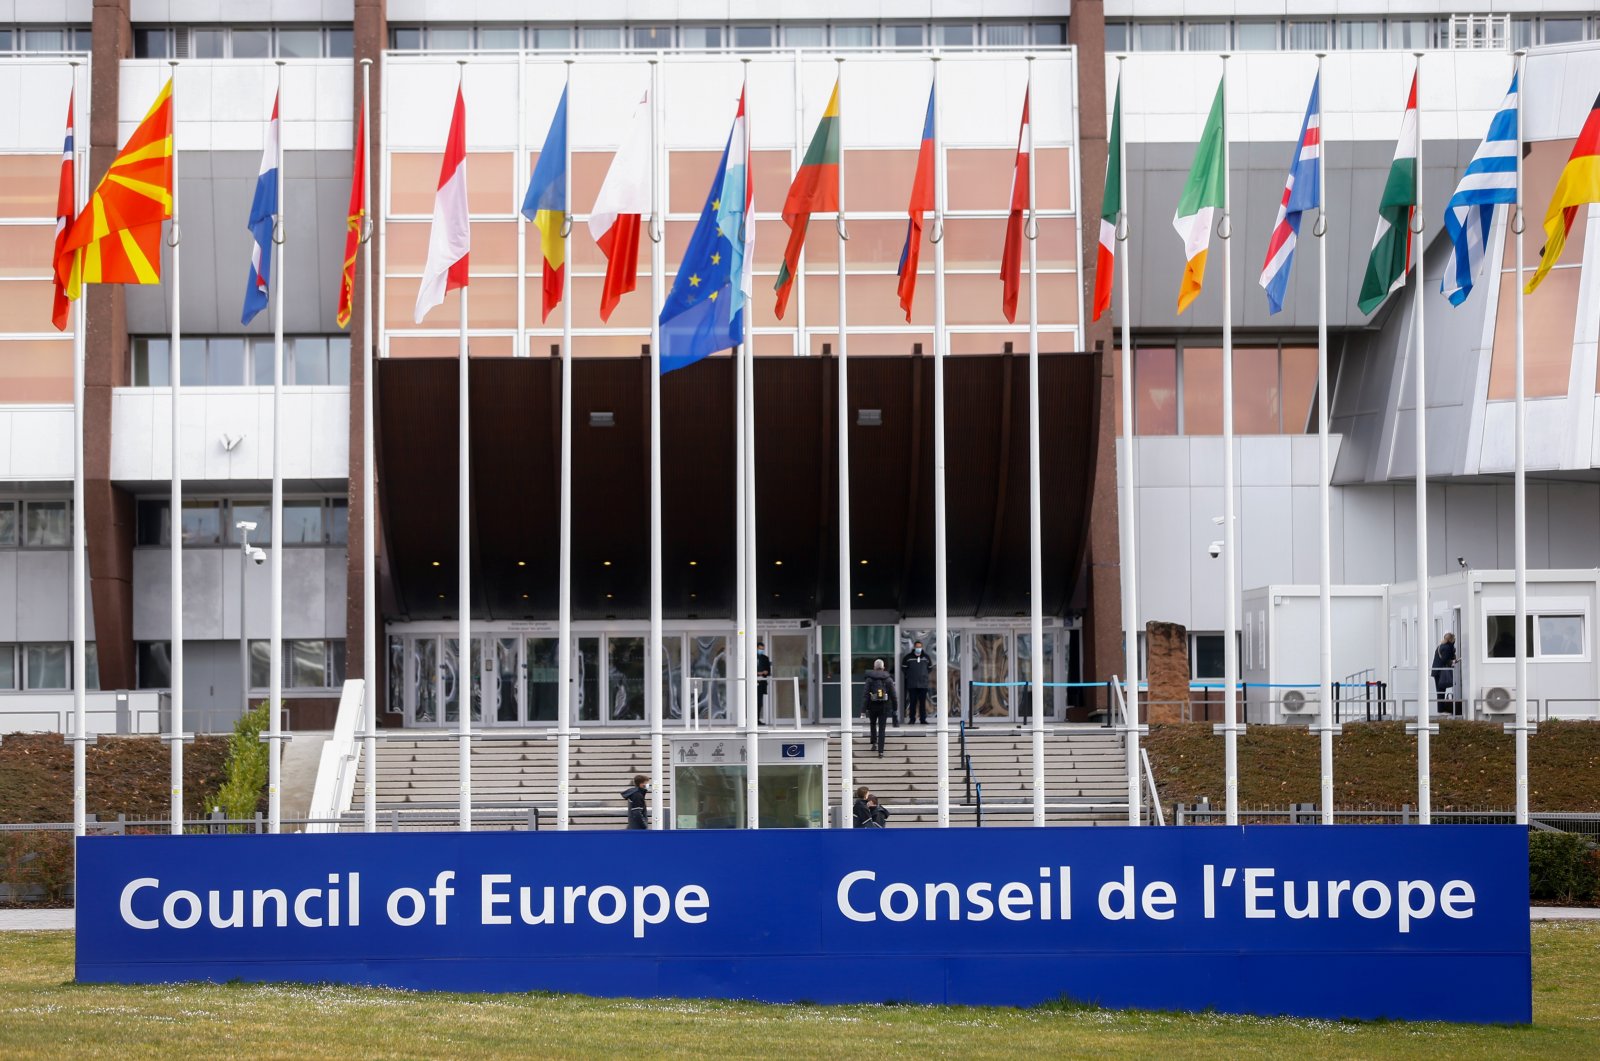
514,777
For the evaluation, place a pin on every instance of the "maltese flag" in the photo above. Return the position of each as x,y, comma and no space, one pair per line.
450,238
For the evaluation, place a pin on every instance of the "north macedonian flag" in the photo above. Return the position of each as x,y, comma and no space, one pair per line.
815,189
116,239
355,220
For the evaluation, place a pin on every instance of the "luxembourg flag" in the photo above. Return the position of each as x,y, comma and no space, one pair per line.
450,237
734,207
263,209
1301,192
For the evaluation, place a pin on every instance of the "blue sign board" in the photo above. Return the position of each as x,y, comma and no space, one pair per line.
1341,921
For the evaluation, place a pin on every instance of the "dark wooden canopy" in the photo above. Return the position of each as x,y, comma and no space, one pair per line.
515,429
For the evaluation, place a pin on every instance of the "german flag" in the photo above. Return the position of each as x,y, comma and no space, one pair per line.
815,189
117,237
1579,184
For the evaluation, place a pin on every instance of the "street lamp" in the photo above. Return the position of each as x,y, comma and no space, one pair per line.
251,553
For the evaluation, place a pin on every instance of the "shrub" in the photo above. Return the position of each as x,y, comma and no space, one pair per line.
1562,868
245,772
37,860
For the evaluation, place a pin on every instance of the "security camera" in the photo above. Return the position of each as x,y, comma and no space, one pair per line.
257,557
246,525
1461,561
1214,550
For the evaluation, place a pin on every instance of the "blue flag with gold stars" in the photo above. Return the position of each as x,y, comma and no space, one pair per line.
699,317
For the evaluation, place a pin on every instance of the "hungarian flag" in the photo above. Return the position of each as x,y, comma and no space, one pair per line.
1579,183
450,238
1105,260
921,203
815,189
117,237
1202,201
354,220
546,206
1391,244
66,207
623,201
1011,254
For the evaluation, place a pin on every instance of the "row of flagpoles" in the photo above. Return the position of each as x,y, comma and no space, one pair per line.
1492,179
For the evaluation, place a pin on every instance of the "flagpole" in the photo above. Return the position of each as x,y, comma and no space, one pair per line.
175,502
1424,727
653,667
1035,547
846,685
564,592
741,705
275,681
1130,526
1520,493
941,600
752,696
465,672
1230,642
369,476
80,539
1328,725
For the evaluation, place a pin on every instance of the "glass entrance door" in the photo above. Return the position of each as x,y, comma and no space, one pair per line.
991,694
788,694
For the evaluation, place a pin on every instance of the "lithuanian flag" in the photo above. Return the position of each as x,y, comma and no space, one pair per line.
117,237
815,188
1579,183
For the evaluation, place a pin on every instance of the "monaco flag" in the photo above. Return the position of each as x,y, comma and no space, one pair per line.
623,200
450,238
1011,254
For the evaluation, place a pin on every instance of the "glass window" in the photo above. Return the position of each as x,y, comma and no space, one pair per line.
46,666
805,36
8,665
338,521
1005,35
299,44
1560,635
1155,377
450,38
261,354
903,36
339,360
1410,33
854,36
252,43
1047,34
47,524
649,38
1206,657
406,39
310,361
202,523
1522,32
341,44
82,39
8,523
1563,30
260,664
302,522
747,37
1361,34
44,40
151,522
705,38
193,362
500,38
397,676
1256,36
601,38
954,36
1501,638
1155,36
208,43
1256,406
305,664
1202,390
1308,36
556,39
153,661
1117,37
1206,36
225,362
257,512
150,43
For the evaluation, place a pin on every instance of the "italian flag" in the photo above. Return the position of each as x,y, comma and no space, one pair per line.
1201,202
1391,244
1110,206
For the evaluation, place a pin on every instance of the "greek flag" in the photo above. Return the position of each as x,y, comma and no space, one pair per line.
1490,180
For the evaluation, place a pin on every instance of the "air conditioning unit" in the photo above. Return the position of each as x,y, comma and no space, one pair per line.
1498,700
1299,701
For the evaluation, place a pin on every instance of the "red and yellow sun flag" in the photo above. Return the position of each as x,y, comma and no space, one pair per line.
117,237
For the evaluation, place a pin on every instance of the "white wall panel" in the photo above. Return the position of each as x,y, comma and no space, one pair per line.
1163,585
316,433
1266,536
35,442
1204,573
211,594
9,602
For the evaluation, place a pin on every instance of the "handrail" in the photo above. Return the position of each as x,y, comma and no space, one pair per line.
1150,783
341,758
979,804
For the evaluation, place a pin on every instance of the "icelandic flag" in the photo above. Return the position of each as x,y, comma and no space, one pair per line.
262,213
1301,192
1490,180
704,311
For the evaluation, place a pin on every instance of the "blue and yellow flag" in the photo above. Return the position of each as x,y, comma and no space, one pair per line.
546,206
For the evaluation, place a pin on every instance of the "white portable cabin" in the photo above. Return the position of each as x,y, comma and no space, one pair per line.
1280,649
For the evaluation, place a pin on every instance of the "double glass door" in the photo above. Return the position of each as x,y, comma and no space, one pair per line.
999,667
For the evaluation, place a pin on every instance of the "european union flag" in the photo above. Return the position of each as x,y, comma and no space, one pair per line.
698,318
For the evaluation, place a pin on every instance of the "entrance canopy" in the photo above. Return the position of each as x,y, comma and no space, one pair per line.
515,427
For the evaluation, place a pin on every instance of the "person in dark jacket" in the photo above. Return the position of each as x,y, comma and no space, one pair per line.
638,802
1444,671
918,669
763,672
878,703
868,815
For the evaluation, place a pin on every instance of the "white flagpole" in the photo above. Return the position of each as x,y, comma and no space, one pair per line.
740,707
1130,526
752,697
564,592
846,685
175,504
1328,725
1520,493
1424,725
275,694
80,539
653,663
1035,546
369,477
1230,564
941,596
465,672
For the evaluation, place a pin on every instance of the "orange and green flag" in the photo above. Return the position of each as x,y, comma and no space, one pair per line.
815,189
116,239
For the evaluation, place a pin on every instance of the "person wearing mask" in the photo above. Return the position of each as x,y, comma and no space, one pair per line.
638,802
879,703
763,672
918,669
868,815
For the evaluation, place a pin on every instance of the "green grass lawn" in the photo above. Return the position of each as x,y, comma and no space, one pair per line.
43,1014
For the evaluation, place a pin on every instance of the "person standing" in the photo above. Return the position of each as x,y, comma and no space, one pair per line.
638,805
918,669
868,814
763,672
1444,671
879,703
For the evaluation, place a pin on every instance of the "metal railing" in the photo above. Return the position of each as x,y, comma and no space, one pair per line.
1203,813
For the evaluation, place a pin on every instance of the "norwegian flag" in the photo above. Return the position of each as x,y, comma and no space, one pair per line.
1301,192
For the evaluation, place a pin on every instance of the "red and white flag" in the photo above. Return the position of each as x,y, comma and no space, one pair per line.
66,210
1011,256
623,200
450,238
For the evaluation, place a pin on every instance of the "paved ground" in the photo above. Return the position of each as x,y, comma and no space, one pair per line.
1565,913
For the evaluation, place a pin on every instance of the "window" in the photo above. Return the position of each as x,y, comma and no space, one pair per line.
302,522
1005,35
1206,36
1180,392
233,361
8,668
307,664
1548,636
553,39
153,664
48,40
1048,34
1256,36
1206,662
1410,33
1562,30
8,524
954,36
299,44
1361,34
903,36
1559,635
746,38
208,44
45,667
406,39
601,38
47,524
257,512
202,523
252,43
500,38
453,38
1308,36
700,38
341,44
650,38
337,522
1155,383
854,36
151,44
224,362
1117,37
1155,36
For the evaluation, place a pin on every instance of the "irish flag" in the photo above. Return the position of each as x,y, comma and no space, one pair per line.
1391,244
1200,204
1110,206
815,189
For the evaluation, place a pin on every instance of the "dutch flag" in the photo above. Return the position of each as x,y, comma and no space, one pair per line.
1302,191
262,211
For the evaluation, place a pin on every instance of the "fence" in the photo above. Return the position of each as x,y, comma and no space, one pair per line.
1586,824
